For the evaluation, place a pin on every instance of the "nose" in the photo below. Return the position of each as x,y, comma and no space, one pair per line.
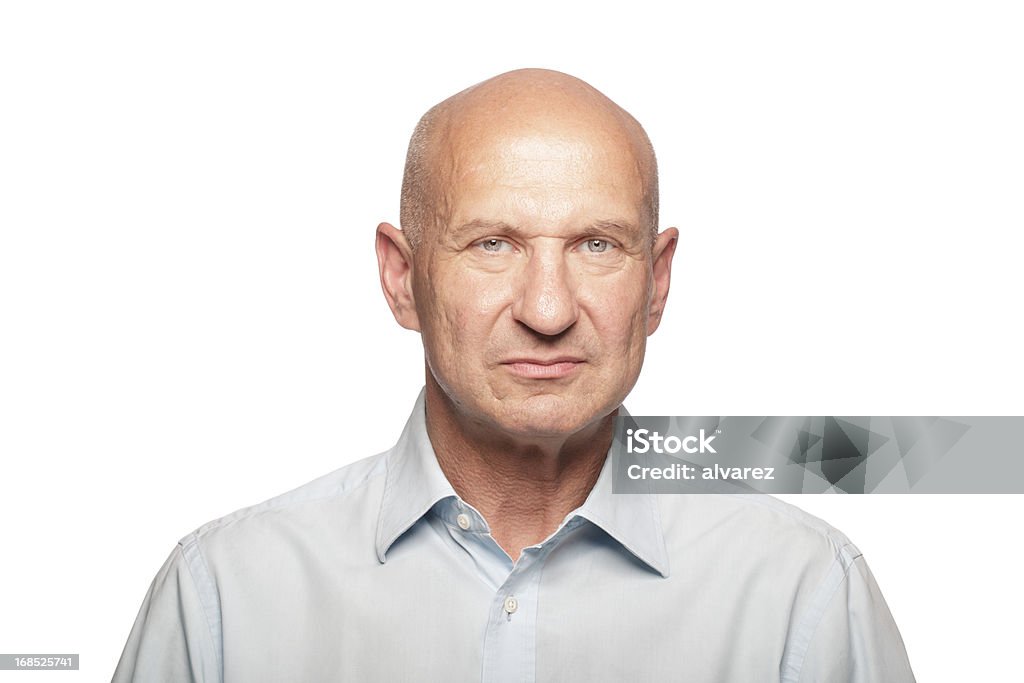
546,298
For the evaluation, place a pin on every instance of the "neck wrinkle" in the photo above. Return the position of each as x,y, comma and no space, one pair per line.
524,491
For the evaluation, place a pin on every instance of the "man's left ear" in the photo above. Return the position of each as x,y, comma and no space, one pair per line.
664,250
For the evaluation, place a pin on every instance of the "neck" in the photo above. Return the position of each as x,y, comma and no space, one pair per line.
523,488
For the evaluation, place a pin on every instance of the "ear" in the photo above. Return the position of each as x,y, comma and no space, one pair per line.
664,250
394,259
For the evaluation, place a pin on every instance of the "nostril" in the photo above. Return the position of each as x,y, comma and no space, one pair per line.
547,314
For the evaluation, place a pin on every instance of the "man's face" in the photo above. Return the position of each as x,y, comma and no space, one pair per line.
533,299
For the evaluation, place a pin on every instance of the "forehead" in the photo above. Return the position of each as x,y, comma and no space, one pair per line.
547,174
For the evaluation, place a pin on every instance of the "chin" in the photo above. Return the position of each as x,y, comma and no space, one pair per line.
548,416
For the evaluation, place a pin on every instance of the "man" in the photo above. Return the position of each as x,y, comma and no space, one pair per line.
487,545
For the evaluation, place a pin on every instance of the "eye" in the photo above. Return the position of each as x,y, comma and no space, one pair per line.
596,246
494,245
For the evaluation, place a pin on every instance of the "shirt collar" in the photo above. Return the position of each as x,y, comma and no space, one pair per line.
414,482
632,519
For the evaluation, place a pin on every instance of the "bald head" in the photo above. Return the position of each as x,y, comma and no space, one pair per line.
516,105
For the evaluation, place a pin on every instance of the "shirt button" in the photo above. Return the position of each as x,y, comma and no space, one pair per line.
463,521
511,604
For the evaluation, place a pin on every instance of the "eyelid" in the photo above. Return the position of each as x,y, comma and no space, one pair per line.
482,241
612,244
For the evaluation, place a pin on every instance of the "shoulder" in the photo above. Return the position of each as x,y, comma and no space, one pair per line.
346,493
764,529
769,510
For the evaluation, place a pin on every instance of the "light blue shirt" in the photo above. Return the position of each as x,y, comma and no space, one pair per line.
379,572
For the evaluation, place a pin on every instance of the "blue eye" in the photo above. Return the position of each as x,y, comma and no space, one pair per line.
597,246
494,245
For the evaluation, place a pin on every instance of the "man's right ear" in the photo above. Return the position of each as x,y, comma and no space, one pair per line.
394,259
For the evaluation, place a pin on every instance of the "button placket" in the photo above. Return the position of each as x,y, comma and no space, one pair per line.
511,639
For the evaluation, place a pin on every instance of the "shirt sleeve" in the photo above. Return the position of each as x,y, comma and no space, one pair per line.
855,640
173,638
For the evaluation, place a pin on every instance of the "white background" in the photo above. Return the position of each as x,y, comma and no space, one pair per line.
191,322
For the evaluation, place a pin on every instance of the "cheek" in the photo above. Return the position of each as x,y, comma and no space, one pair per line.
486,296
619,316
464,310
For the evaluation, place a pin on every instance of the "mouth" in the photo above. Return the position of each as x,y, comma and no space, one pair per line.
541,368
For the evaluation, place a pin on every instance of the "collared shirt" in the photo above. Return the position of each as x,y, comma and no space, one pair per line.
380,572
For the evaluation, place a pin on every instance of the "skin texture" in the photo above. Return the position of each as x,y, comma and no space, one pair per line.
534,286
